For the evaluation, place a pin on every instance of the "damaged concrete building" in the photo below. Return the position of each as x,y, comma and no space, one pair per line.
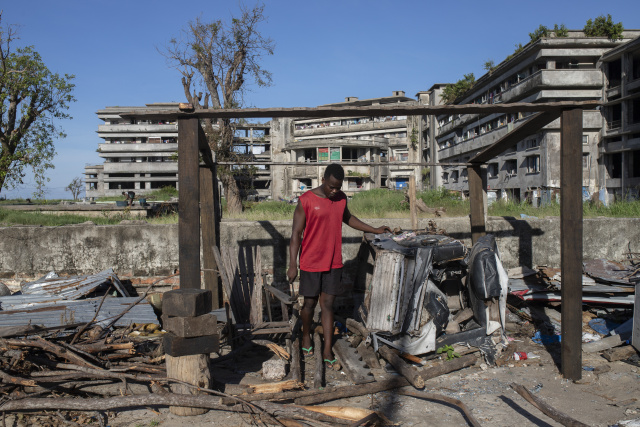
359,139
140,154
547,70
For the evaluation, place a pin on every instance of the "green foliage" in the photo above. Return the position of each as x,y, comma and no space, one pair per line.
32,99
542,31
560,31
453,91
603,27
489,66
357,174
451,353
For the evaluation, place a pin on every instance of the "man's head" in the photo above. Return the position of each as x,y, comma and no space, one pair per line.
332,180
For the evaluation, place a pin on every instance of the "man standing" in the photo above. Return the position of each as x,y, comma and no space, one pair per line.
319,215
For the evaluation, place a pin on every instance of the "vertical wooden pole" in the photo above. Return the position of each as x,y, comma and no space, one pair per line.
208,226
571,241
188,206
477,198
412,202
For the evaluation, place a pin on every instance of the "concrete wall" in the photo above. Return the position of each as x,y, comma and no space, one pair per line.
143,250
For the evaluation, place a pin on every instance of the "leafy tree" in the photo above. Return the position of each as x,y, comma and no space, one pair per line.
31,98
542,31
603,27
489,65
453,91
75,187
221,59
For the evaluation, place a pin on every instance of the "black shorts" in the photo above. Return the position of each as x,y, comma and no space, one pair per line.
314,282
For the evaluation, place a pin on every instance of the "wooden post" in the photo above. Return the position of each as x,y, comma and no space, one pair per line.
188,206
191,368
477,199
412,202
571,241
208,225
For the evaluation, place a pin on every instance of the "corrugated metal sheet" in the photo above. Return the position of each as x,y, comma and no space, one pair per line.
25,310
73,287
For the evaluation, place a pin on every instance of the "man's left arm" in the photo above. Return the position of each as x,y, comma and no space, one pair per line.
355,223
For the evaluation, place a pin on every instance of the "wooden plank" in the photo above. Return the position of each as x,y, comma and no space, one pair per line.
208,229
256,295
412,202
355,369
224,275
279,294
179,346
368,356
372,110
188,208
478,198
571,242
533,125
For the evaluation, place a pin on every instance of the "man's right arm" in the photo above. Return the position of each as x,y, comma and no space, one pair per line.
299,222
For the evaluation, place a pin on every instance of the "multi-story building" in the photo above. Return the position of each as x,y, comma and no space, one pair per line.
547,70
358,139
139,154
620,148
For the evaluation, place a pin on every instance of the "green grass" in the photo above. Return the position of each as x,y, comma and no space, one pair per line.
164,193
21,201
10,217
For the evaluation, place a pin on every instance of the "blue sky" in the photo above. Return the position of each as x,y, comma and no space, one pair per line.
325,51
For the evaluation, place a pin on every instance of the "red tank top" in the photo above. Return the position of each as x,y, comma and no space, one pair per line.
322,237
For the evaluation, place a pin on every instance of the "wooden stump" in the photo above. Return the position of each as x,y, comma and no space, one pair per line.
194,370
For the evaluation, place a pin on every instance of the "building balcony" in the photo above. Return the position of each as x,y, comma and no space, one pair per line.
136,149
298,172
363,127
110,130
141,167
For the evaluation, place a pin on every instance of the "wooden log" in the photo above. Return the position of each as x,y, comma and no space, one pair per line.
545,408
318,374
193,369
287,299
368,356
277,387
343,412
256,293
98,348
50,347
358,328
179,346
406,370
442,368
438,397
295,360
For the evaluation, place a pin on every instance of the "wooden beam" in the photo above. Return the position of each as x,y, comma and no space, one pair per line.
188,206
478,196
534,124
370,110
571,241
412,202
208,226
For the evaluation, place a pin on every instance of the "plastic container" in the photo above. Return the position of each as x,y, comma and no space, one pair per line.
521,355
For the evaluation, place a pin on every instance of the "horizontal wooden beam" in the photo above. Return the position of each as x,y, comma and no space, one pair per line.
371,110
241,163
533,125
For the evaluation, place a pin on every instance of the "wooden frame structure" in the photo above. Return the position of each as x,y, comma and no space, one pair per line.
198,208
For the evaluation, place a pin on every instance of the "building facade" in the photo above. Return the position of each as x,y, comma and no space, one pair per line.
620,165
547,70
356,140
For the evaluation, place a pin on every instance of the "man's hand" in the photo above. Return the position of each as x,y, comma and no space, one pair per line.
292,273
383,229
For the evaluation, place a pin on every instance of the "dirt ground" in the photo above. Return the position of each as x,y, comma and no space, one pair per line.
598,399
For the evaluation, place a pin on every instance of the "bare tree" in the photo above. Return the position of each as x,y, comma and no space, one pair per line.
75,187
218,61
